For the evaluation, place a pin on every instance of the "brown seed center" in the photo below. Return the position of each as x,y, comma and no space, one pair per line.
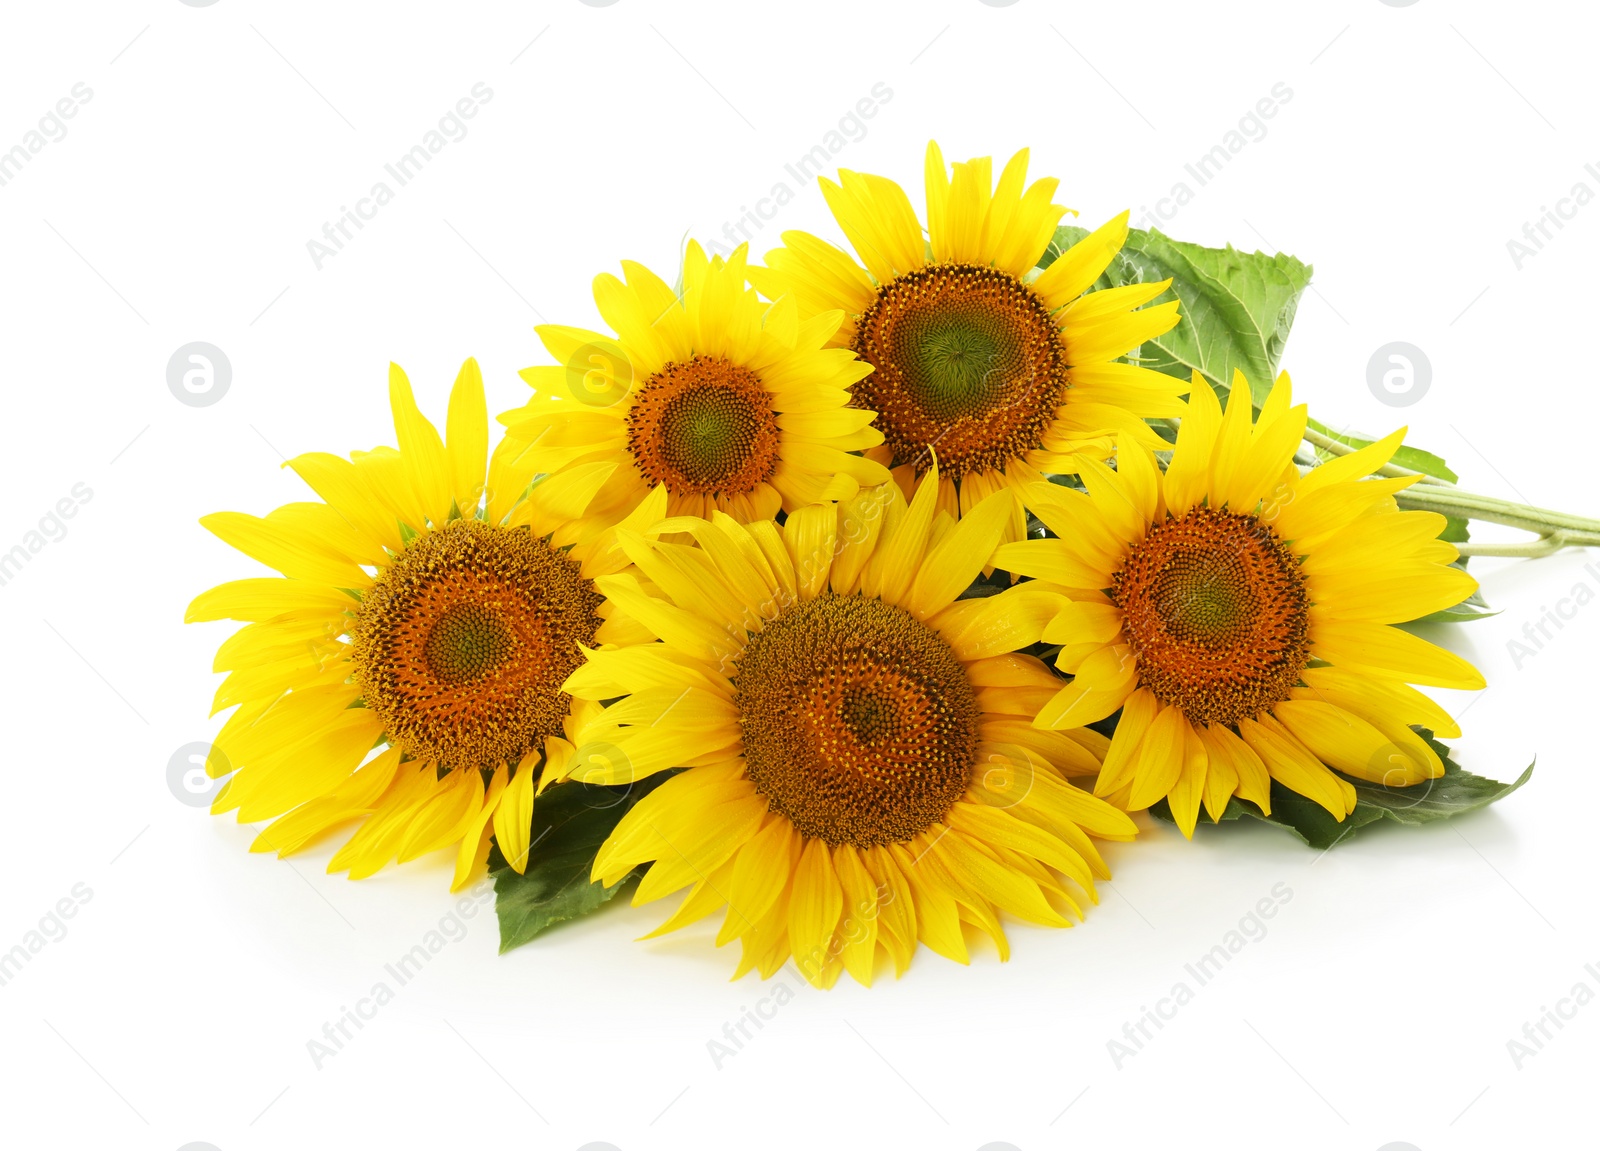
860,725
1214,606
966,360
463,642
702,427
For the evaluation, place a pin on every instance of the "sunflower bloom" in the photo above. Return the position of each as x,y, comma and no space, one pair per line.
730,404
1006,374
1239,613
423,612
862,772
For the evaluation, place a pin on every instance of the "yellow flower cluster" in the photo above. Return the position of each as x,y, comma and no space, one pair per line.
879,552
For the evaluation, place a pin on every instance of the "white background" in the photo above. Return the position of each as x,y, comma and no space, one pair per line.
217,142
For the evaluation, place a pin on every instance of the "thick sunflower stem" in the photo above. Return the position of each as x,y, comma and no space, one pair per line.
1556,530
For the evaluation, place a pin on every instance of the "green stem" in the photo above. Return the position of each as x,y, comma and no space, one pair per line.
1562,529
1542,546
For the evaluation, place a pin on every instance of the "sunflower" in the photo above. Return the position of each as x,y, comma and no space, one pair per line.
1240,614
861,767
422,614
730,404
1007,374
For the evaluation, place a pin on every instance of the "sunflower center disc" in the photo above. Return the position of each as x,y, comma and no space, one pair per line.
704,427
467,641
966,360
859,723
462,644
1215,609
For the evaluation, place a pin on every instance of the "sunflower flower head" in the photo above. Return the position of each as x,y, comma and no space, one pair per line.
422,610
1241,615
861,770
728,403
1005,373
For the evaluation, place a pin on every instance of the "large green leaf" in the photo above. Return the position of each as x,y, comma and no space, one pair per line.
1237,307
570,822
1454,793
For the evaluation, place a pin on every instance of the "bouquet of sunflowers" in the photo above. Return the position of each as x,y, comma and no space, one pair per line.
858,594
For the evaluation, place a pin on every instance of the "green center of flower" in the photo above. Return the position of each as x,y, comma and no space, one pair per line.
860,725
967,361
704,427
709,433
467,641
960,361
1203,600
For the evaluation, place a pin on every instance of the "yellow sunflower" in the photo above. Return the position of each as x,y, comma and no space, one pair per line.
1005,373
422,614
1240,614
732,405
862,770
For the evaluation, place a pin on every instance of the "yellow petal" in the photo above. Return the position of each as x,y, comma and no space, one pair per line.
1075,270
761,872
955,561
1350,744
1388,651
422,454
267,598
814,909
467,438
1292,765
1161,757
1188,475
287,544
1226,750
513,816
858,926
1184,799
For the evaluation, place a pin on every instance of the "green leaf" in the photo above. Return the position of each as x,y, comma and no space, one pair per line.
1407,456
570,822
1454,793
1237,307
